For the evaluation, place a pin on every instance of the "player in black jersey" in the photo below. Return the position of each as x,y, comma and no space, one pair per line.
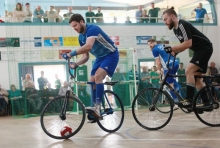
190,38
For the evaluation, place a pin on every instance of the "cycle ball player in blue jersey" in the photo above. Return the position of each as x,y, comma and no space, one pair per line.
92,39
161,58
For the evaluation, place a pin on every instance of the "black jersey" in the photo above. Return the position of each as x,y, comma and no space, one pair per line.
187,31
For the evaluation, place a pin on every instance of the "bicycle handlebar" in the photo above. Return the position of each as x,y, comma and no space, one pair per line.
69,69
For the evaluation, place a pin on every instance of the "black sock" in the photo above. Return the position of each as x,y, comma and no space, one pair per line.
190,89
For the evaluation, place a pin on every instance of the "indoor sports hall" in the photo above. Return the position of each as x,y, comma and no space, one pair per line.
49,81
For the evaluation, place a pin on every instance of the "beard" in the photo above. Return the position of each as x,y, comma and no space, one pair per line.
81,29
171,25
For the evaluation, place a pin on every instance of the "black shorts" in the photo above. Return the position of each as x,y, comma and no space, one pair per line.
201,58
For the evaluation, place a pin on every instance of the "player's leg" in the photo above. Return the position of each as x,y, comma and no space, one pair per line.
93,91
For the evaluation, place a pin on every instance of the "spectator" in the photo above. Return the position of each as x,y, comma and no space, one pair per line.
145,18
27,79
59,17
3,101
62,91
57,82
70,9
117,76
181,71
153,13
115,19
99,15
130,74
42,82
27,14
33,98
66,18
18,13
90,15
213,70
127,20
200,13
138,14
155,77
52,15
144,79
38,15
16,100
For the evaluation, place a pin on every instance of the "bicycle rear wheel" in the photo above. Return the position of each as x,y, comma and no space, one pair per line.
209,115
145,116
52,122
112,112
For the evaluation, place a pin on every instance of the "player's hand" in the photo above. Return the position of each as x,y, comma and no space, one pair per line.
73,65
65,56
158,72
168,49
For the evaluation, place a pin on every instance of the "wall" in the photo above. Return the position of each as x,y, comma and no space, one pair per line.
127,39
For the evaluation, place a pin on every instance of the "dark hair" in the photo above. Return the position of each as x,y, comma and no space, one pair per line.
170,11
76,18
151,40
20,6
12,86
27,4
181,63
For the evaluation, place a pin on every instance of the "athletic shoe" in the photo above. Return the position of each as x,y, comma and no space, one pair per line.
205,107
185,103
175,107
95,111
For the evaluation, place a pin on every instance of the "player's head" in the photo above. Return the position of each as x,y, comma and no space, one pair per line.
77,22
151,43
169,16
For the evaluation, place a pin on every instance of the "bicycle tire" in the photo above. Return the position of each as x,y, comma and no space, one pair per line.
111,113
208,116
52,123
160,116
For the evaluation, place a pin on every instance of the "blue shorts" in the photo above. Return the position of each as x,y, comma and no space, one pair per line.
173,71
108,63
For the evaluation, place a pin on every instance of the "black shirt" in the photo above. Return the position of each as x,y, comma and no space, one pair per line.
187,31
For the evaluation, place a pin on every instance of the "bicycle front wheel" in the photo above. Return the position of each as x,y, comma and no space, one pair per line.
53,121
209,115
152,109
112,112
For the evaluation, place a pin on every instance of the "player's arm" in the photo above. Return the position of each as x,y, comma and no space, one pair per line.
84,59
158,63
182,46
83,49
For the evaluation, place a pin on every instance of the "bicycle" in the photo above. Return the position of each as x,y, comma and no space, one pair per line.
152,108
69,111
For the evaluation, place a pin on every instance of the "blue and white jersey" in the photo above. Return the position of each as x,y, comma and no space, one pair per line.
159,52
102,46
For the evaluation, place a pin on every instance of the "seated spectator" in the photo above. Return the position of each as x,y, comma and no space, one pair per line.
127,20
27,14
52,15
117,76
33,98
38,15
62,91
66,18
181,71
145,18
3,101
16,100
18,13
27,79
